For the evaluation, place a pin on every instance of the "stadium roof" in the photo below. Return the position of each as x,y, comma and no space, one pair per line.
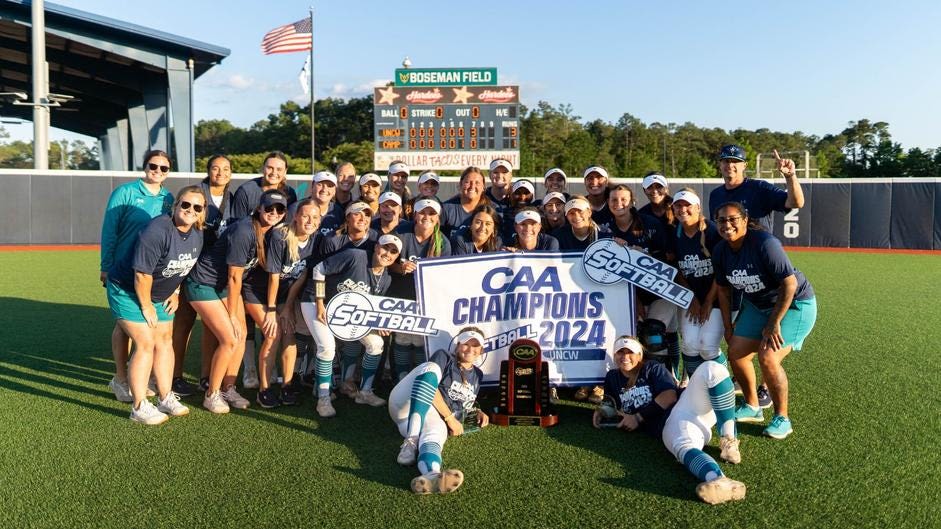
113,69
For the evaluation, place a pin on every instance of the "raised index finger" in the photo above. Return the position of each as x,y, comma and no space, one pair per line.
776,155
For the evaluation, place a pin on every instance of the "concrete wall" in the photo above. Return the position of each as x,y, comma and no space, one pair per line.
66,207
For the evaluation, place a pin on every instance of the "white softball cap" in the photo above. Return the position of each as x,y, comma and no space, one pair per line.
428,175
524,184
554,170
595,169
388,238
370,177
325,176
390,195
650,180
631,344
500,162
427,203
527,214
687,196
398,168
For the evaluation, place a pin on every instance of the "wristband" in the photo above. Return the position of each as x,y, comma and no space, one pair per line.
320,289
651,412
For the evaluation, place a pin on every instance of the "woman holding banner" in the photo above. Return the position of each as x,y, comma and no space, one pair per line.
529,237
644,397
701,323
425,240
481,236
350,269
433,401
778,311
646,234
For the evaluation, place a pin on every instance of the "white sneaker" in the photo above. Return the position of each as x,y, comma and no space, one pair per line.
370,398
720,490
730,453
172,406
147,413
444,482
250,378
408,452
325,408
232,397
121,390
215,403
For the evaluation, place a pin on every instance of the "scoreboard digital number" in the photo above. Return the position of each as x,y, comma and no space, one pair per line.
446,128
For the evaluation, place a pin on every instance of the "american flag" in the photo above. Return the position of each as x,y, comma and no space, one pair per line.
288,38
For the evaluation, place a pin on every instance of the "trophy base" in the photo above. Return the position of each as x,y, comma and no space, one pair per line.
543,421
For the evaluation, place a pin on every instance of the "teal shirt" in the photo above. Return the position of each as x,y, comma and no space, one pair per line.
130,208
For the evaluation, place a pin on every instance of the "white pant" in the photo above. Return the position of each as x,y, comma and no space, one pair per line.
702,340
690,423
434,429
326,344
664,311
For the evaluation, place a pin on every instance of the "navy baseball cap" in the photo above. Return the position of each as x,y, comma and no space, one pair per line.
272,197
732,151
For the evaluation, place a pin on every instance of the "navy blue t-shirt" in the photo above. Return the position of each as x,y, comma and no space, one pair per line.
461,243
404,226
217,217
652,380
454,218
248,195
459,387
544,243
757,269
403,285
568,240
692,261
603,216
349,270
163,252
278,259
759,197
654,239
236,247
333,245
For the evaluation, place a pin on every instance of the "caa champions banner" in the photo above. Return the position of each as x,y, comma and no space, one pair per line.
546,297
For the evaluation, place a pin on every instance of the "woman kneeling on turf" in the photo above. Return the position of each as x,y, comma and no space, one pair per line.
430,402
645,397
358,270
143,295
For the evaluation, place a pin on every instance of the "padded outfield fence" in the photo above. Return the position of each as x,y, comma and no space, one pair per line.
66,207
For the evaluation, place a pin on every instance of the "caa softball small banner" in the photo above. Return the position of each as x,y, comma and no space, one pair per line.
351,315
608,263
546,297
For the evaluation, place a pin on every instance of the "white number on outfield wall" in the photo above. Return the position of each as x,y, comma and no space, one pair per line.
792,227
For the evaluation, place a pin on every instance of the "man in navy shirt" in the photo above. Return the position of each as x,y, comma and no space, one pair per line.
760,197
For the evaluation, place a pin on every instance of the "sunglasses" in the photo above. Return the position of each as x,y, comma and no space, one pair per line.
161,168
728,220
277,208
198,208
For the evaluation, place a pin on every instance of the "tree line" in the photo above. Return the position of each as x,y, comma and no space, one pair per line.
551,136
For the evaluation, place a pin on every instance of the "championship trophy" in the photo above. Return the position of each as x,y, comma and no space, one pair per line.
524,388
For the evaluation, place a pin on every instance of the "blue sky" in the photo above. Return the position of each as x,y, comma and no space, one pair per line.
808,66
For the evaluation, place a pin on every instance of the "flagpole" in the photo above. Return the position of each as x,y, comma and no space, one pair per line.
313,141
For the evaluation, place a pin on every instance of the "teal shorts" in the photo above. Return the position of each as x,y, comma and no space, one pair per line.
125,306
796,325
197,292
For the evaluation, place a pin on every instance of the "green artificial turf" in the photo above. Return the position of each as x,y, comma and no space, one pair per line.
864,401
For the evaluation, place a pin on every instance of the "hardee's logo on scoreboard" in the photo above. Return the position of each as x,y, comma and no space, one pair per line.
424,96
497,96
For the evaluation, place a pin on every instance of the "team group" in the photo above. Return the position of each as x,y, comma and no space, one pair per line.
257,255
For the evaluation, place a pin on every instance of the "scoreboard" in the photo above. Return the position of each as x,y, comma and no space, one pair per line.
445,128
